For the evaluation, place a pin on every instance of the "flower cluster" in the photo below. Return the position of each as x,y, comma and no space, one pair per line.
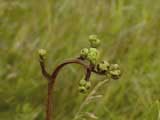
100,67
84,85
91,54
89,59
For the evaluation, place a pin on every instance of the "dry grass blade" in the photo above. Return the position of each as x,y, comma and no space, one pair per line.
89,96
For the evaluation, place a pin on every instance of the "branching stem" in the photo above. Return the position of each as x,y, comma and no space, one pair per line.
52,77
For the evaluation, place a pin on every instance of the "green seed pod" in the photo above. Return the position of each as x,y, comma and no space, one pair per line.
82,82
42,52
94,41
103,66
84,52
88,85
93,55
115,74
82,89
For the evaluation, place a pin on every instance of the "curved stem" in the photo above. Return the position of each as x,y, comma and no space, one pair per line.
43,68
53,76
71,61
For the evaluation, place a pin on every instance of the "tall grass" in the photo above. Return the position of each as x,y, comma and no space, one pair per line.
130,35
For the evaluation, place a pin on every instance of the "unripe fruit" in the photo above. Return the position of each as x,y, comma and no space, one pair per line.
42,52
94,41
84,52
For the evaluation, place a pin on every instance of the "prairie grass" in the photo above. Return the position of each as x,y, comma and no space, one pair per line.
129,31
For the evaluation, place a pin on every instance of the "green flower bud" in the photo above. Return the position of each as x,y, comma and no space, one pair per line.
42,52
82,89
115,71
103,66
88,85
114,67
82,82
93,55
85,84
115,74
94,41
84,52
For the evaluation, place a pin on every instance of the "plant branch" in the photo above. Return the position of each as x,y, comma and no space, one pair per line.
43,68
72,61
89,60
52,77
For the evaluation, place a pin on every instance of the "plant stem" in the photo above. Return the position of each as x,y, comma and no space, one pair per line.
49,109
51,80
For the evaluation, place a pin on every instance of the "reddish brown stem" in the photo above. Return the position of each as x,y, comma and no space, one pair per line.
43,69
49,105
71,61
52,78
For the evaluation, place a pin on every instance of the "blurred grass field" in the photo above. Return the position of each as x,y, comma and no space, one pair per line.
130,34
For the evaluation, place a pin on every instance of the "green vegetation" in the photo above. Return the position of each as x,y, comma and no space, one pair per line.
129,33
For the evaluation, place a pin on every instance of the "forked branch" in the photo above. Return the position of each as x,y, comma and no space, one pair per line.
89,60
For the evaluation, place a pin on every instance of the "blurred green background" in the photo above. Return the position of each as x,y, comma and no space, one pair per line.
129,31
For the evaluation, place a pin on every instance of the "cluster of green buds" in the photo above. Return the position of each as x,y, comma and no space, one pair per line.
91,55
84,85
115,71
103,67
110,70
